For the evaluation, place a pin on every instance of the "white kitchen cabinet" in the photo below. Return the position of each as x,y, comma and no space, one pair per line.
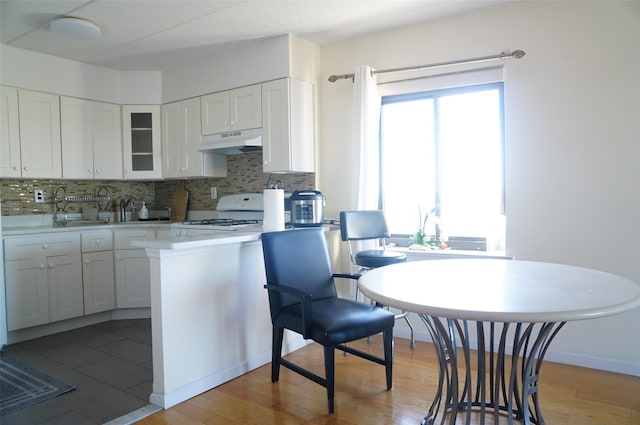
91,139
181,136
215,113
132,273
9,133
64,279
43,279
107,140
98,276
27,293
232,110
141,141
40,152
288,126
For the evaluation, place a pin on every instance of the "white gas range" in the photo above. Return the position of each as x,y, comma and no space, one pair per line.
234,212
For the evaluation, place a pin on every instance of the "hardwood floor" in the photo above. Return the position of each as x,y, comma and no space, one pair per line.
569,395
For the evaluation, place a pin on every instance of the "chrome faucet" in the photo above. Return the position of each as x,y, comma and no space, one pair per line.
168,211
123,207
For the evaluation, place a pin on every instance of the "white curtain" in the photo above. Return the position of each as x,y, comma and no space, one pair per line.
365,146
366,123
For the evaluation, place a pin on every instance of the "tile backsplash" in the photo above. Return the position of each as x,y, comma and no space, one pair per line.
244,174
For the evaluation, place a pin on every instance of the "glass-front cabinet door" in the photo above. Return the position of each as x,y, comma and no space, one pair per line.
142,142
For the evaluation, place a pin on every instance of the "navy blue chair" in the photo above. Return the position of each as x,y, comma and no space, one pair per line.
371,225
303,299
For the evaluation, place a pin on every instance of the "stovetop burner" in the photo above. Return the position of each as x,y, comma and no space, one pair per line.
222,222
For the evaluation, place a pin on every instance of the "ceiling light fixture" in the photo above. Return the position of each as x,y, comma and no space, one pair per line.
78,28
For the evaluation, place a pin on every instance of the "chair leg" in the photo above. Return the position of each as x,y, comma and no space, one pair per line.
276,352
387,337
329,369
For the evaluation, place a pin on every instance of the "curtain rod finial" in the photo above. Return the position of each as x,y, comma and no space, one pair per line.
517,54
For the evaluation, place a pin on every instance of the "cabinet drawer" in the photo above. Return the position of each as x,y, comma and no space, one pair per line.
43,245
99,240
123,238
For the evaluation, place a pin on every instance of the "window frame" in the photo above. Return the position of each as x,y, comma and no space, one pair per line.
458,241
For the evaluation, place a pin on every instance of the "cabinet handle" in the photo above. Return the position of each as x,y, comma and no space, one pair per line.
25,168
15,168
41,266
88,170
97,242
87,261
119,258
45,246
97,171
51,265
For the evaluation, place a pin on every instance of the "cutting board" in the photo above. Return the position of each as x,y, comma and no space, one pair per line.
179,203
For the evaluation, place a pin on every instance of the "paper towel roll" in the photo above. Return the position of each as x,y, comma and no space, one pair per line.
273,210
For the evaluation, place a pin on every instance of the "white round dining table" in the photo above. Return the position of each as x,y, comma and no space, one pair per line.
491,322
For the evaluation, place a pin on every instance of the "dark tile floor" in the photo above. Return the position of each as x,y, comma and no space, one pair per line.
109,364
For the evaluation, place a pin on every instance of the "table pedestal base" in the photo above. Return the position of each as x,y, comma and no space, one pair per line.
499,380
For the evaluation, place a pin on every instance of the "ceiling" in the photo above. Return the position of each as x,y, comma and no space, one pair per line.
159,34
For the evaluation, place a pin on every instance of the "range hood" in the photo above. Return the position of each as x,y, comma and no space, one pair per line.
233,142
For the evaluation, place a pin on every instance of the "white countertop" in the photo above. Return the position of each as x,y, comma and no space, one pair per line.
82,226
198,241
500,290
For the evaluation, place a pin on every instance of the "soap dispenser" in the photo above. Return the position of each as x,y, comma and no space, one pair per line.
143,214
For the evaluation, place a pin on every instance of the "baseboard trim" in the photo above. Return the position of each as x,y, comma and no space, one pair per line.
574,359
135,416
206,383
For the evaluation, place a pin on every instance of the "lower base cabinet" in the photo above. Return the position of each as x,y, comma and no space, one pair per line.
43,279
64,277
27,293
133,280
43,290
98,282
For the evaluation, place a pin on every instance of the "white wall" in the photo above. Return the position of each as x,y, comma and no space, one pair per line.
36,71
254,63
572,139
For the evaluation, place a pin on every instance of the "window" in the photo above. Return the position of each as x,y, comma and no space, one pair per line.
442,152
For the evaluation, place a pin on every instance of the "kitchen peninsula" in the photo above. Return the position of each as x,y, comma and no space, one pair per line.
209,312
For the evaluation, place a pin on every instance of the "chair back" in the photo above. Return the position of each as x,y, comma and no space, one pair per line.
298,259
361,225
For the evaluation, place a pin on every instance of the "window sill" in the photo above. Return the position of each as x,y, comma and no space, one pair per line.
416,255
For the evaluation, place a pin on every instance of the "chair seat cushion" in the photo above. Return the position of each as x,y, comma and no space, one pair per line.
338,320
379,257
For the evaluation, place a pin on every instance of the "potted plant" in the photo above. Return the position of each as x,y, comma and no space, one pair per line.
420,240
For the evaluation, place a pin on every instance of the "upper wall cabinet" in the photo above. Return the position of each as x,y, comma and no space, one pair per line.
180,140
9,133
40,152
91,139
287,131
141,142
233,110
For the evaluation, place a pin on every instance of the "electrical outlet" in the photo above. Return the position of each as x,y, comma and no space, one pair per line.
214,192
38,196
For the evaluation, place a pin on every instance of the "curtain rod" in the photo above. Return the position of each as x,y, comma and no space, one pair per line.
503,55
